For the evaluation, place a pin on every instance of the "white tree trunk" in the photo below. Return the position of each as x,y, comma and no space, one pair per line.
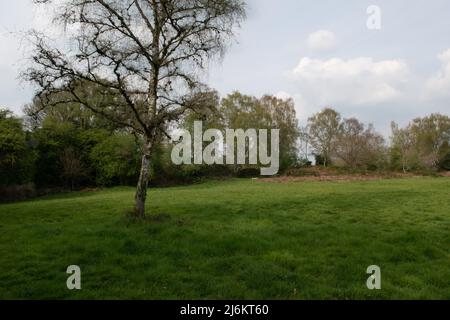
141,191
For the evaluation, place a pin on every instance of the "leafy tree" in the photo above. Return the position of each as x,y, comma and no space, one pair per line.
444,156
141,57
211,118
73,169
304,145
350,142
431,133
360,147
244,112
50,142
402,148
323,131
36,113
283,116
16,156
116,160
240,111
423,143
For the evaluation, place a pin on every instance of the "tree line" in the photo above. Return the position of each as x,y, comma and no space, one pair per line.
69,147
423,145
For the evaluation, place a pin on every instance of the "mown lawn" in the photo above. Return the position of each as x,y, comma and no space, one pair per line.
240,239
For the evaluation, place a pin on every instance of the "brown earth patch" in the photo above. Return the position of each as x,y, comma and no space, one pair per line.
340,177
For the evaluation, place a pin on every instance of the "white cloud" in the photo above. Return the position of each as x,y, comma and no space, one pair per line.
355,82
322,40
438,85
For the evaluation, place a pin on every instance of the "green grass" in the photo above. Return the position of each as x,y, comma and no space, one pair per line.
240,239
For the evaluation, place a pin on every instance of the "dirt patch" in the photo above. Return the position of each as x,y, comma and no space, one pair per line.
341,177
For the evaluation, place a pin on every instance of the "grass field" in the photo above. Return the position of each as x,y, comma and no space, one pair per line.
239,239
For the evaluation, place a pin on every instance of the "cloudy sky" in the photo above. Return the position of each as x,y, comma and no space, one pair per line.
319,52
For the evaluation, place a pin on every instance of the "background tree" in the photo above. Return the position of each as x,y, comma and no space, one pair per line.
423,144
16,155
350,142
432,134
304,145
54,143
115,160
323,131
444,156
73,169
36,113
141,58
245,112
360,147
376,155
402,147
283,116
240,111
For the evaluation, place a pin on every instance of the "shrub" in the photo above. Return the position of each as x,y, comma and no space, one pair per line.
248,172
17,192
116,160
16,155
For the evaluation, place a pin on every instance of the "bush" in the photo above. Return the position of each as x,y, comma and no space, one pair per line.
16,155
445,164
116,160
17,192
248,172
